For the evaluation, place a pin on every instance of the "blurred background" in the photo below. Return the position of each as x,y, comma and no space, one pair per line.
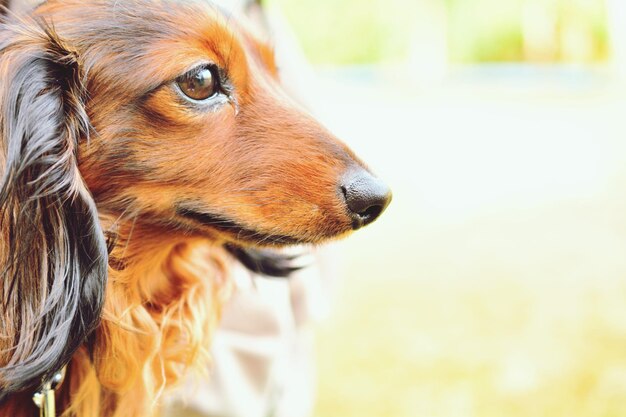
495,284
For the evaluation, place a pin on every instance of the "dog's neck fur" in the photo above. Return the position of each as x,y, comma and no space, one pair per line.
156,325
163,302
162,305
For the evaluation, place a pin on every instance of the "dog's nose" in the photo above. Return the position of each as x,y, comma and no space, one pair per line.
366,197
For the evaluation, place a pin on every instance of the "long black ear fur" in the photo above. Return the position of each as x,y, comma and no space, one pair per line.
53,257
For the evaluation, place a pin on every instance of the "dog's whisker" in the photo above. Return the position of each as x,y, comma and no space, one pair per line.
129,237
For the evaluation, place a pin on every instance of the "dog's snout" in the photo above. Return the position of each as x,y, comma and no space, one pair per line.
366,197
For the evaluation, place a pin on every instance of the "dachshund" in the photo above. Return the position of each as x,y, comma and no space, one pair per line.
146,146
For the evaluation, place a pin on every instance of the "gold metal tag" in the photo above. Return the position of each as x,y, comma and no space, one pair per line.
45,399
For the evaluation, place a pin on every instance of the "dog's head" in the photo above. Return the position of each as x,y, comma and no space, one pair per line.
192,130
167,112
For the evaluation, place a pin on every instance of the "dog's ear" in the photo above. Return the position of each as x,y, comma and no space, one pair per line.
53,257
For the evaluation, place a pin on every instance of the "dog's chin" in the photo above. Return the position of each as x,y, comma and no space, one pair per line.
238,234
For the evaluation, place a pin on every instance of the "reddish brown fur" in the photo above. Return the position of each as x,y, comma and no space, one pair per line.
260,162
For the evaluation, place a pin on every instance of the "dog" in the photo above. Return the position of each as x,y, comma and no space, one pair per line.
147,145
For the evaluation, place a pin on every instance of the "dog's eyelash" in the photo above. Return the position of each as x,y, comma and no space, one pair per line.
197,70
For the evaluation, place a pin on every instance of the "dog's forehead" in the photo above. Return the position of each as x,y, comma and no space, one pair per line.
147,42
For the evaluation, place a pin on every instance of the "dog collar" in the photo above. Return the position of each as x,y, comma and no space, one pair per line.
44,399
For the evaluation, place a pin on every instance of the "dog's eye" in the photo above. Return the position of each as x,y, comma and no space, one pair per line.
200,84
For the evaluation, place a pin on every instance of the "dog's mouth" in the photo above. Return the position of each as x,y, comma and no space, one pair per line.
236,230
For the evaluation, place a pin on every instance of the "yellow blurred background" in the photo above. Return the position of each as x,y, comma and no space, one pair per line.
495,284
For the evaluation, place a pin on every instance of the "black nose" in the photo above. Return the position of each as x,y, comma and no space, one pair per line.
366,197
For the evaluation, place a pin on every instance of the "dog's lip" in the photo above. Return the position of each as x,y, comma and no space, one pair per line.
271,262
233,228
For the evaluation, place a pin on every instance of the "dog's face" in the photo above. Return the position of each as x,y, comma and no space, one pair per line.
193,131
161,112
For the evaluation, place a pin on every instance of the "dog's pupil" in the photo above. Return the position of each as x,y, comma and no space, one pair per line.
200,85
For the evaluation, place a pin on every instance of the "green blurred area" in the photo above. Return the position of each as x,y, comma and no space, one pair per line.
351,32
